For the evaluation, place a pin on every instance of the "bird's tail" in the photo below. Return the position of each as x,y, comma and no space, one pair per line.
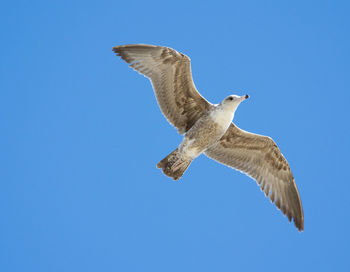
173,166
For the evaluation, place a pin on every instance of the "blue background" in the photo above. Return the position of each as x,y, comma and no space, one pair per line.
81,134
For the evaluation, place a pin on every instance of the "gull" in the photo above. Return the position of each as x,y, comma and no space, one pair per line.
208,128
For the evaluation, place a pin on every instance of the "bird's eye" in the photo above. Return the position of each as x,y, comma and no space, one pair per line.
230,98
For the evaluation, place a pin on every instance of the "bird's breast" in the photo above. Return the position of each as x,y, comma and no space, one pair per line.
222,117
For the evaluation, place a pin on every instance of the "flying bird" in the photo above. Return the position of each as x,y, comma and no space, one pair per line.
208,128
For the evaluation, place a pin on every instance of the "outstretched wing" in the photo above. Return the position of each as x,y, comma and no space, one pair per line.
170,74
259,157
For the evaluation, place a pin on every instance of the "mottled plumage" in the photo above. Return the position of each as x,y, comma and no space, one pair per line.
209,129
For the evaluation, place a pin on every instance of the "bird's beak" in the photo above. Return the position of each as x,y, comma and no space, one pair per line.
244,97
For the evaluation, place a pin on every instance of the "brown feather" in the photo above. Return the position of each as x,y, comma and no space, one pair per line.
259,157
171,77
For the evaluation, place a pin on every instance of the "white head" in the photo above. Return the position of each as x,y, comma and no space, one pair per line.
232,101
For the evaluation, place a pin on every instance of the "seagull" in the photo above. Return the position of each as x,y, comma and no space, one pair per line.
208,128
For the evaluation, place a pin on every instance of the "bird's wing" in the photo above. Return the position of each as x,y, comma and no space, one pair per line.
170,74
259,157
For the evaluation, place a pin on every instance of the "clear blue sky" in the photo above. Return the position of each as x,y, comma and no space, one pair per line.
79,189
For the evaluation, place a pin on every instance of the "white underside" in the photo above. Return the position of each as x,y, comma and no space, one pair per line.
188,151
223,117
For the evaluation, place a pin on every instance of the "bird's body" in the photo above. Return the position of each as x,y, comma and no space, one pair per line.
205,132
208,128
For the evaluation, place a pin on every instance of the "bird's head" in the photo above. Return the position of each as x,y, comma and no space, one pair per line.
232,101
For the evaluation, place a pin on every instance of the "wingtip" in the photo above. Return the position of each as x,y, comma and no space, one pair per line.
115,49
300,226
299,223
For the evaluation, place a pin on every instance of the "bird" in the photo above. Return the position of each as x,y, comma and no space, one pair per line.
208,128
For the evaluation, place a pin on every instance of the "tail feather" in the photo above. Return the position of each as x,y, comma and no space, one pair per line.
173,160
